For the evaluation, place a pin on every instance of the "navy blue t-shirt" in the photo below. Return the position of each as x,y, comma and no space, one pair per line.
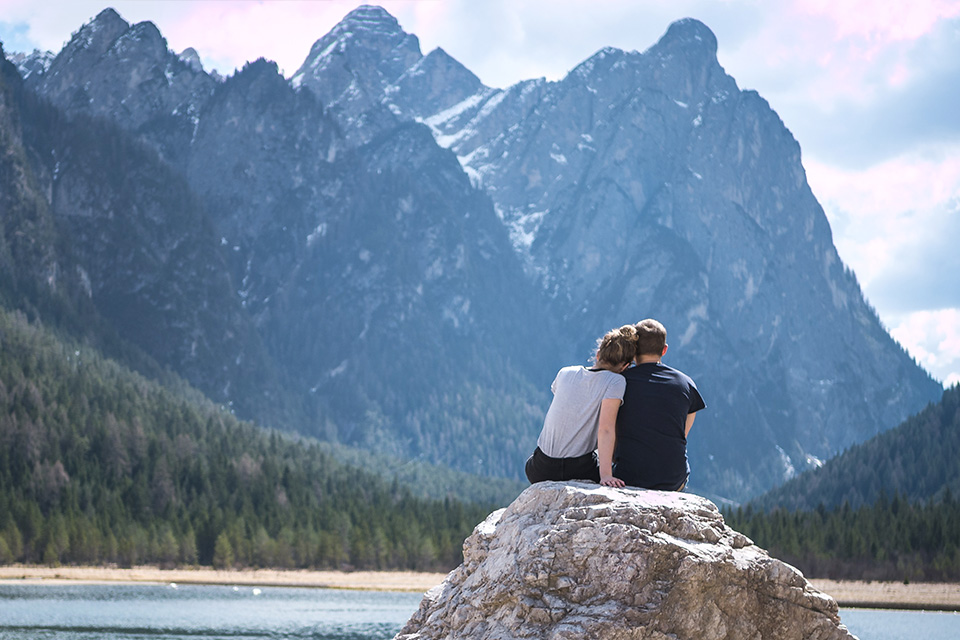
651,449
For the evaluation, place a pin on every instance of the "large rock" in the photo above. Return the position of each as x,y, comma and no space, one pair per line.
576,560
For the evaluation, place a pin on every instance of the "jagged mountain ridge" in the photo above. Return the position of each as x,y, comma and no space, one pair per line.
631,186
627,189
104,237
373,274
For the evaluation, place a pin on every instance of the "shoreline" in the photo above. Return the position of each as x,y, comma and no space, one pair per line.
855,594
916,596
407,581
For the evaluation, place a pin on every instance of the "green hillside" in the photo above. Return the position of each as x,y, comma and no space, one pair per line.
101,465
917,460
883,510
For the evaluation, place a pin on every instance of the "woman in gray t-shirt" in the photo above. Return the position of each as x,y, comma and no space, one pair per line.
583,414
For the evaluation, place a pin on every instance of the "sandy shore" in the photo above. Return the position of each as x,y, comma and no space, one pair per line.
933,596
848,593
364,580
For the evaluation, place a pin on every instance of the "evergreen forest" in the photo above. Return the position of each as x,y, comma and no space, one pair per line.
100,465
882,510
892,539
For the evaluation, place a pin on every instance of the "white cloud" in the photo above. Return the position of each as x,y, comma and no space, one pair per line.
896,224
933,338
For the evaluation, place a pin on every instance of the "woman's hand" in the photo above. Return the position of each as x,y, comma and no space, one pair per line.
610,481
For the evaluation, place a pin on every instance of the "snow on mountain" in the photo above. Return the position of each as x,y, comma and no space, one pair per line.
419,252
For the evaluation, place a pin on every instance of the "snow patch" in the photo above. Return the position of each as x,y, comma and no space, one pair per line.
317,233
457,311
336,371
491,104
788,469
452,112
523,229
435,270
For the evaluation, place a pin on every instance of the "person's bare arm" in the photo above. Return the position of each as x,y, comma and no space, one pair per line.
606,440
690,418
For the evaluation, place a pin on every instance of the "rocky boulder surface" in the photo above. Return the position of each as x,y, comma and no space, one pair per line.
577,560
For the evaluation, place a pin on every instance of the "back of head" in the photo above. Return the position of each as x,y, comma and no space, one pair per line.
618,346
651,337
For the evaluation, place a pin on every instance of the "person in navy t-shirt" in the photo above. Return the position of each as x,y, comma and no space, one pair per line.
659,406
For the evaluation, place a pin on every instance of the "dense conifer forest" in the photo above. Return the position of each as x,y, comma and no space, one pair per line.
885,509
100,465
892,539
917,459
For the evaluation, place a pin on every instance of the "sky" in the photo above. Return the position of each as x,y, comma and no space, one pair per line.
869,88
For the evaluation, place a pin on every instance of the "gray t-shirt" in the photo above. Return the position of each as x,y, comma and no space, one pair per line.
570,428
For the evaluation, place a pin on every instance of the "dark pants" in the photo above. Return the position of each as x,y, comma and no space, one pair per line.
619,472
542,467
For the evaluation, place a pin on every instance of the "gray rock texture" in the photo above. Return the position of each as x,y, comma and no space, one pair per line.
577,560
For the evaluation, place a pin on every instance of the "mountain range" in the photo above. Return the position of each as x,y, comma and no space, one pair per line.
915,461
383,252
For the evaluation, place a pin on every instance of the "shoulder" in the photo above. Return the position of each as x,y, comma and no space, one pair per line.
569,373
676,373
632,371
611,378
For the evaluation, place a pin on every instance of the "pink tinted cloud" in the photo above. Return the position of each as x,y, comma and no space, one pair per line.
837,53
933,337
880,21
232,33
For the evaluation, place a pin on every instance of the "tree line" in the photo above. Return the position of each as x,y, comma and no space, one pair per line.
100,465
840,521
892,539
917,459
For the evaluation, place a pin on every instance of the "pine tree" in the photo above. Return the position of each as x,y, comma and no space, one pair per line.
223,553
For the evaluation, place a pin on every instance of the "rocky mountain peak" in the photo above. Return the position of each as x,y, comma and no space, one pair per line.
339,216
351,68
31,64
370,19
365,32
435,83
690,36
142,39
99,34
192,59
684,62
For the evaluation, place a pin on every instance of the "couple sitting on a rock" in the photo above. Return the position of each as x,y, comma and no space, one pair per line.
623,421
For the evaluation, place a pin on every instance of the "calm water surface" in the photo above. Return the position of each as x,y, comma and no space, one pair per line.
127,612
190,612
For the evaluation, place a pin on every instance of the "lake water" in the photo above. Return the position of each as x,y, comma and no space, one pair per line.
189,612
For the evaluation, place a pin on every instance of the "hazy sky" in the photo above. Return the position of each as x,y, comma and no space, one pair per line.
870,89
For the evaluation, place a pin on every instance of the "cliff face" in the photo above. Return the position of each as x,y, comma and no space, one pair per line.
419,253
649,185
572,560
107,241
